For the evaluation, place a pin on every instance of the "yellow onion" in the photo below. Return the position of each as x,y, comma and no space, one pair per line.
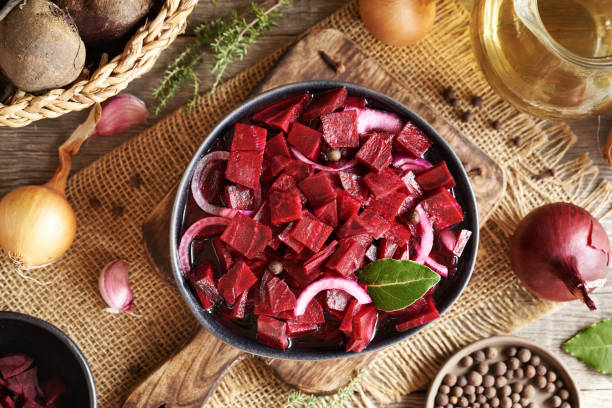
37,224
398,22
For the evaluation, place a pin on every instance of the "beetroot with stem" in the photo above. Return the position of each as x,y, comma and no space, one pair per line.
561,253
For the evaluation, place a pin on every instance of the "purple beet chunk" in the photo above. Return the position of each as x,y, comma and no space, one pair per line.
249,138
443,209
384,183
324,103
244,168
283,114
14,364
318,189
412,140
272,332
246,236
285,207
436,177
238,279
376,152
340,129
306,140
347,258
311,232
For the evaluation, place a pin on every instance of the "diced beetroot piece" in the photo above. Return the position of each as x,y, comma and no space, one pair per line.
312,315
462,240
355,102
284,182
311,232
354,185
336,299
384,183
340,129
314,262
298,170
443,209
318,189
282,114
398,233
25,383
7,402
347,205
347,321
297,276
324,103
273,166
203,281
402,253
30,403
53,389
244,168
364,324
272,332
239,308
13,365
285,207
426,315
300,329
280,297
390,206
249,138
347,257
412,140
263,214
239,197
376,225
386,248
376,152
277,146
436,177
364,239
246,236
328,213
415,309
288,240
212,178
238,279
414,190
353,226
372,253
307,140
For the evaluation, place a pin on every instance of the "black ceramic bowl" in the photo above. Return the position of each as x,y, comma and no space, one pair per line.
447,292
53,353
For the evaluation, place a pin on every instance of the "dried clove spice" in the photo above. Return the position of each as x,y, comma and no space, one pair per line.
94,203
518,142
337,66
546,174
496,124
466,116
476,101
449,94
136,181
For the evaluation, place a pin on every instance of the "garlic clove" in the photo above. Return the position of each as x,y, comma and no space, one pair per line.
121,113
115,288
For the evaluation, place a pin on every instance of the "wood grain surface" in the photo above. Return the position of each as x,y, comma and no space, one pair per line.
28,155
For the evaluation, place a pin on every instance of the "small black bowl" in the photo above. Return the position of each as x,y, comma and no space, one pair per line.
53,352
448,290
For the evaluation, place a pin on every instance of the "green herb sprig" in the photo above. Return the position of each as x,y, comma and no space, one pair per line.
298,399
227,38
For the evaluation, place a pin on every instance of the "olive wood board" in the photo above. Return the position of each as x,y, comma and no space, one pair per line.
189,377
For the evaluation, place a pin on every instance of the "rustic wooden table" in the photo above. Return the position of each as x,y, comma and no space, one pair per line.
27,156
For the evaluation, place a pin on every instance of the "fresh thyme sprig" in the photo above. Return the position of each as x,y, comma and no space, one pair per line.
298,399
228,39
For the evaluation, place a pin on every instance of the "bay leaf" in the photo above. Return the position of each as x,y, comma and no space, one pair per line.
395,285
593,346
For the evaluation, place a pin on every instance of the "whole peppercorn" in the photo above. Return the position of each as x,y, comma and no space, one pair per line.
551,376
531,405
515,397
457,391
450,379
474,378
494,402
463,402
490,353
488,380
489,392
559,384
479,389
462,381
275,267
481,399
441,399
524,355
505,391
541,382
564,394
476,101
530,372
541,370
485,405
514,363
453,400
550,387
529,391
510,351
499,368
517,387
524,402
471,398
516,405
469,389
476,405
500,381
566,405
506,402
519,373
535,360
509,374
444,389
334,155
555,401
480,356
482,368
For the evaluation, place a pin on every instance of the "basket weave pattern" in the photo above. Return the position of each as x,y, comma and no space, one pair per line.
138,57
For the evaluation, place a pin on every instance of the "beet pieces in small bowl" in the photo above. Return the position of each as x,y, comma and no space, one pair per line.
321,219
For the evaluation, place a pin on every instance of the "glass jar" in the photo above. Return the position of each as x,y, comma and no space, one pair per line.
550,58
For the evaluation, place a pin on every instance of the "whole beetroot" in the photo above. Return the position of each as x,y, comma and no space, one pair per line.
100,21
40,47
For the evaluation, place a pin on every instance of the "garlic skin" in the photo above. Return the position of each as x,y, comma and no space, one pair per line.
115,288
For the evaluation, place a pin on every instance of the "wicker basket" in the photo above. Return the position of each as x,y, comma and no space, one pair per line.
138,57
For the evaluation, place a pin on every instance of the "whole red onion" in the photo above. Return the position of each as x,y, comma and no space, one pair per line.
561,253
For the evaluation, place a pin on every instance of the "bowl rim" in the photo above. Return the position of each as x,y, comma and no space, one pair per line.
65,340
210,322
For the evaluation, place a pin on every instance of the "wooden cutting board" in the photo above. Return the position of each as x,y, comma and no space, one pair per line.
189,377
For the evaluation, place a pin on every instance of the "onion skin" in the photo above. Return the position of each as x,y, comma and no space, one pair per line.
398,22
32,237
557,250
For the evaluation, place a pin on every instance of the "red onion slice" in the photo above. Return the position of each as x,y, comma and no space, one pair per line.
433,264
190,234
318,166
427,236
347,285
407,163
448,239
196,188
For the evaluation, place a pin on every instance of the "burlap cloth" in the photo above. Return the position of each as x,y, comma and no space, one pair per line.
122,349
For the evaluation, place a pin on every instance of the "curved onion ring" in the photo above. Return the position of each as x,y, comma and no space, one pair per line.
424,249
408,163
190,234
347,285
196,190
318,166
